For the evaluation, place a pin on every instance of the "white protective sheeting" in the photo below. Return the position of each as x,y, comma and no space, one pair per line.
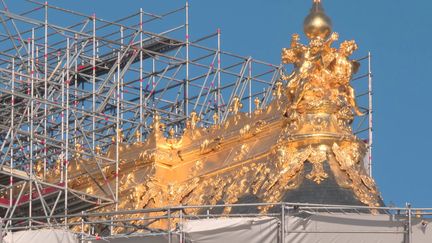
139,239
302,227
40,236
250,230
354,228
342,228
422,230
307,227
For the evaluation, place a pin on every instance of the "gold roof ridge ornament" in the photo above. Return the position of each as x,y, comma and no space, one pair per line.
302,137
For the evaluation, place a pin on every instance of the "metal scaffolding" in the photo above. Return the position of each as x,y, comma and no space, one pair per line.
167,223
80,88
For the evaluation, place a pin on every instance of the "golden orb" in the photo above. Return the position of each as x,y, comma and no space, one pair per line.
317,23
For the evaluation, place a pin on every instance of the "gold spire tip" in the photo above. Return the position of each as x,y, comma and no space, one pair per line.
316,1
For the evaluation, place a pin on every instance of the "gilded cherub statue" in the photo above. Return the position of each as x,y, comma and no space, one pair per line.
307,61
320,65
322,74
342,70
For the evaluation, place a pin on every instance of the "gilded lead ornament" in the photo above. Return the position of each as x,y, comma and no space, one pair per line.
308,122
236,105
316,157
347,156
241,153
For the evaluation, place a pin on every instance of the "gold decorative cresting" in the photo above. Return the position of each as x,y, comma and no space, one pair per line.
261,155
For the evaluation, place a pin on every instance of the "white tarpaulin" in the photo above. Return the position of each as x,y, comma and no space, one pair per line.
342,228
40,236
354,228
302,227
250,230
139,239
307,227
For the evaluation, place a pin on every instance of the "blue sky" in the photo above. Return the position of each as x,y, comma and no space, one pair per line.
398,33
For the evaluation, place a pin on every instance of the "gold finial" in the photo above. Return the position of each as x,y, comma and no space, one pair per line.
215,118
317,24
138,135
157,125
278,89
194,119
120,134
171,132
236,105
78,148
157,117
257,102
98,150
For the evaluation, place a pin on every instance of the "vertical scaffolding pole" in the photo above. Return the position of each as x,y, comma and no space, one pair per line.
283,223
45,87
67,129
153,86
76,88
218,93
62,159
12,138
181,226
94,83
250,88
169,225
31,48
186,85
82,228
409,211
370,113
118,134
122,79
141,105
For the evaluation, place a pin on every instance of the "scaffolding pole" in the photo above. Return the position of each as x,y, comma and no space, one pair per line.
370,114
186,83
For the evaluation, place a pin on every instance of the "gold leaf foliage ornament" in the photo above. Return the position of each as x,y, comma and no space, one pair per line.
316,158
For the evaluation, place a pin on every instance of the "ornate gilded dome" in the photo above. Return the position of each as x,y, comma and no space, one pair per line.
317,23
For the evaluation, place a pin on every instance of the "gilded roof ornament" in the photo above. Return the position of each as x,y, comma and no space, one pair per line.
317,24
278,89
171,132
138,135
236,105
215,118
193,119
98,150
304,134
257,102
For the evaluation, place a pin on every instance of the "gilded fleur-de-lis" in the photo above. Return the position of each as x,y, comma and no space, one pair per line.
138,135
171,132
194,119
236,105
215,118
78,149
278,89
98,149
